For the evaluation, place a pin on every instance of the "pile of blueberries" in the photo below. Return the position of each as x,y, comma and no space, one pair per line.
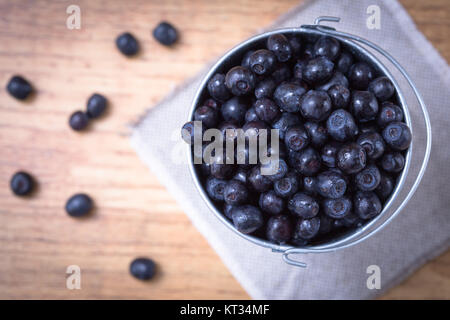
79,205
342,140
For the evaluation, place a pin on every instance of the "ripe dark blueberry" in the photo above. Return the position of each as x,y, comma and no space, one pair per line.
285,121
241,175
127,44
337,79
318,70
368,179
281,73
315,105
360,75
331,184
393,162
266,110
227,210
367,205
397,135
251,115
208,116
288,96
96,105
165,34
246,59
327,47
296,138
385,187
262,61
303,205
216,188
19,87
307,228
222,167
317,132
382,88
364,106
339,95
247,218
255,128
372,143
279,229
228,129
344,62
240,81
21,183
79,205
287,186
257,181
271,203
341,125
235,193
389,113
78,120
296,45
279,45
234,109
280,173
306,161
188,132
329,152
310,185
265,88
217,88
337,208
351,158
212,103
142,268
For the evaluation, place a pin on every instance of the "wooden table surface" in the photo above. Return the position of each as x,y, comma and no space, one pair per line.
134,215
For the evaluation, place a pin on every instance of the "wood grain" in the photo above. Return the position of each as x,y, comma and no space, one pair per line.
135,216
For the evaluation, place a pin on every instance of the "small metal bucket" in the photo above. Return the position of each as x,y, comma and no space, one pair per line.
351,43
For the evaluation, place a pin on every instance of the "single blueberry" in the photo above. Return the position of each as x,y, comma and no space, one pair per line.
271,203
337,208
286,186
364,105
296,138
351,158
127,44
279,229
393,162
303,205
397,135
306,161
235,193
217,88
79,205
288,96
262,62
368,179
240,81
331,184
78,120
382,88
21,183
367,205
339,95
165,33
96,105
341,125
19,87
360,75
318,70
247,218
307,228
208,116
280,46
142,268
265,88
216,188
315,105
372,143
389,113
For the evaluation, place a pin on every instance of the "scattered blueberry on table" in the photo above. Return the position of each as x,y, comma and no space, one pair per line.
22,183
165,33
343,139
143,268
78,120
19,87
127,44
96,106
79,205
